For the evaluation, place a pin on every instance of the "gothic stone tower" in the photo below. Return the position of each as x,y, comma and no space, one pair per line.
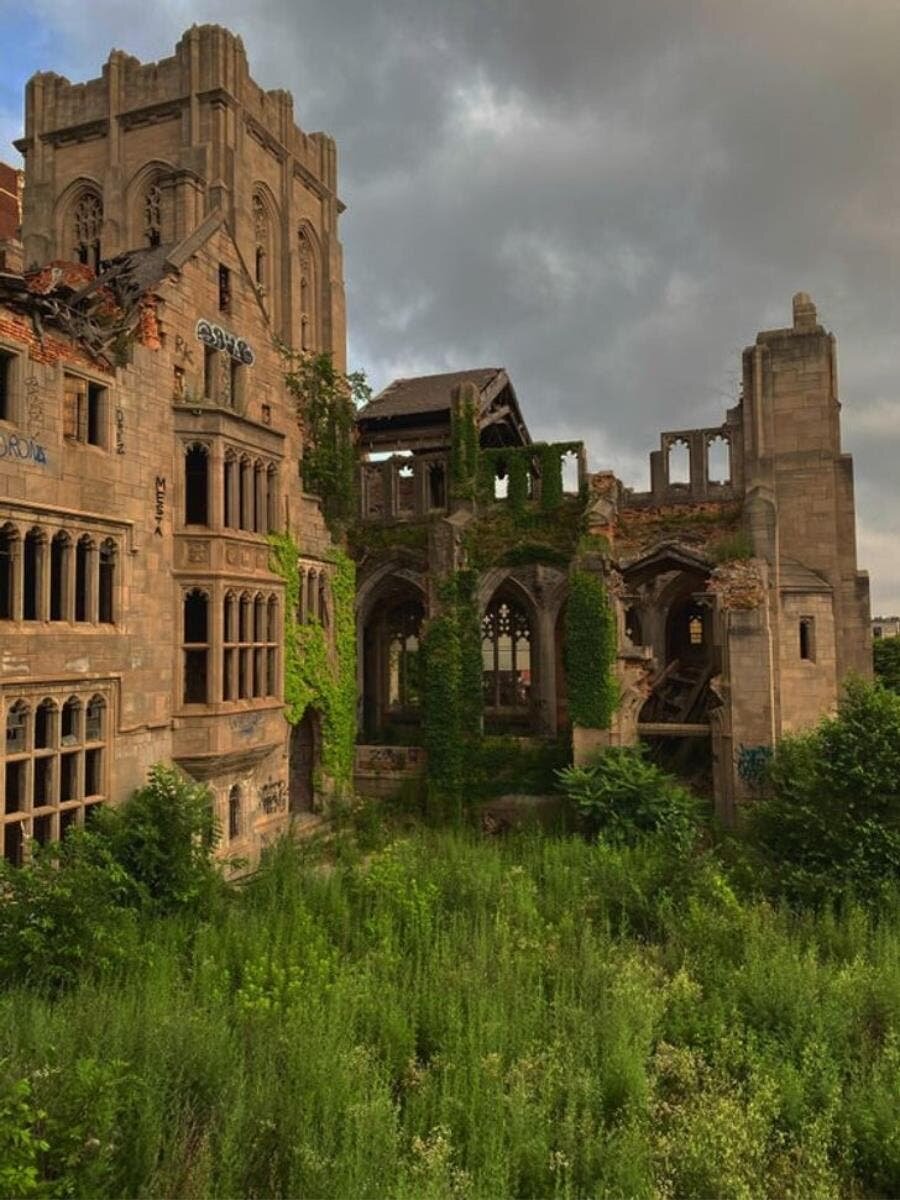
141,155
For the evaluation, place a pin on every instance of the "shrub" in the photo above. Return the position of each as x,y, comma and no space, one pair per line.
622,795
65,912
164,837
830,822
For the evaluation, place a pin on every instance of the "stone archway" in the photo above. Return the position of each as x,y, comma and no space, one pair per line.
303,762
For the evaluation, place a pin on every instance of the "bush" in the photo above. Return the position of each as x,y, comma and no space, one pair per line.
622,795
65,912
164,837
830,823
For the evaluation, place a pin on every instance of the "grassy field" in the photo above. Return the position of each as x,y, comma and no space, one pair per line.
448,1016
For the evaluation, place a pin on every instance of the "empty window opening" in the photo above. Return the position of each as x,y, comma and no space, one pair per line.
271,500
633,630
45,725
679,460
68,776
236,386
246,494
93,772
42,782
60,549
196,647
229,652
570,473
93,719
32,563
506,656
808,638
17,728
96,414
210,365
245,635
43,829
8,548
234,812
437,486
83,552
14,795
259,498
7,363
67,820
196,486
501,484
224,288
70,725
272,647
106,576
228,495
718,460
153,215
13,843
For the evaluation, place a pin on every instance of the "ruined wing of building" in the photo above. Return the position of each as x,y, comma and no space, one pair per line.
174,223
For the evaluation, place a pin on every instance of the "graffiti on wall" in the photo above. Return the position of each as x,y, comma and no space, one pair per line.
25,449
160,504
217,338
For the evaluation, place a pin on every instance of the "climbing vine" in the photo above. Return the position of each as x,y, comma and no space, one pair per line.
452,692
590,653
326,400
523,465
319,673
464,447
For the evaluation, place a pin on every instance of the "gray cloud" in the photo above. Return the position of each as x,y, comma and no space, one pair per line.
608,198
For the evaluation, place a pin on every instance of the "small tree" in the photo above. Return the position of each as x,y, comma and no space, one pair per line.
886,656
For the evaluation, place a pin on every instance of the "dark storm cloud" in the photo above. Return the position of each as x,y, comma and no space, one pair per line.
607,198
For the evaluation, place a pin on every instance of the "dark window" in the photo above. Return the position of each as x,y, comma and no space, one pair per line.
236,387
43,829
96,414
93,719
210,369
44,725
224,288
229,652
7,363
8,547
82,578
70,727
229,496
196,486
59,576
68,775
437,496
246,495
15,786
404,624
234,812
93,772
42,782
67,820
12,843
31,570
808,638
196,647
106,579
271,500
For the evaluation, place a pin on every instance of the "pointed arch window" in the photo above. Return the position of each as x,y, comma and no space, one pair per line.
33,575
9,553
153,215
196,647
106,581
230,647
196,485
84,553
261,233
60,557
404,626
506,641
307,261
234,813
87,224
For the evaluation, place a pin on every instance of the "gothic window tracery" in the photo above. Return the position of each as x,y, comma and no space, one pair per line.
506,639
153,215
87,223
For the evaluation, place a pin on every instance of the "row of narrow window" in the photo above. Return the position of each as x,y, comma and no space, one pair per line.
249,491
56,578
250,638
312,598
53,769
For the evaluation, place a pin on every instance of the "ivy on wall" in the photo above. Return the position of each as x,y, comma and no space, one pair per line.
318,674
452,692
520,464
325,400
464,443
591,649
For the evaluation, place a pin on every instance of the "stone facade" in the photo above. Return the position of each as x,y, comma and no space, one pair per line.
140,619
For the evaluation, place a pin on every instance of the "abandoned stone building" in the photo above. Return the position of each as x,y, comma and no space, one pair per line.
175,224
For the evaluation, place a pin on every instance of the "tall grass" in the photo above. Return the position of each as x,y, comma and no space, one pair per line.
451,1017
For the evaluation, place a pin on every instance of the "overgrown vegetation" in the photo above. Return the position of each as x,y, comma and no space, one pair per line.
320,666
828,823
886,657
591,649
325,400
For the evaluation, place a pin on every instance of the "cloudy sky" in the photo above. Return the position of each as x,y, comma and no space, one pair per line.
607,197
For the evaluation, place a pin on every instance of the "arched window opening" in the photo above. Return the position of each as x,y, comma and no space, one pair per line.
9,545
83,552
106,578
246,495
404,676
87,222
570,473
695,629
261,232
70,724
93,719
153,215
437,486
272,646
17,728
229,497
306,260
323,600
718,460
501,484
45,716
679,462
633,628
196,485
259,646
60,551
32,572
259,498
312,589
271,500
229,651
234,813
245,654
506,656
196,647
